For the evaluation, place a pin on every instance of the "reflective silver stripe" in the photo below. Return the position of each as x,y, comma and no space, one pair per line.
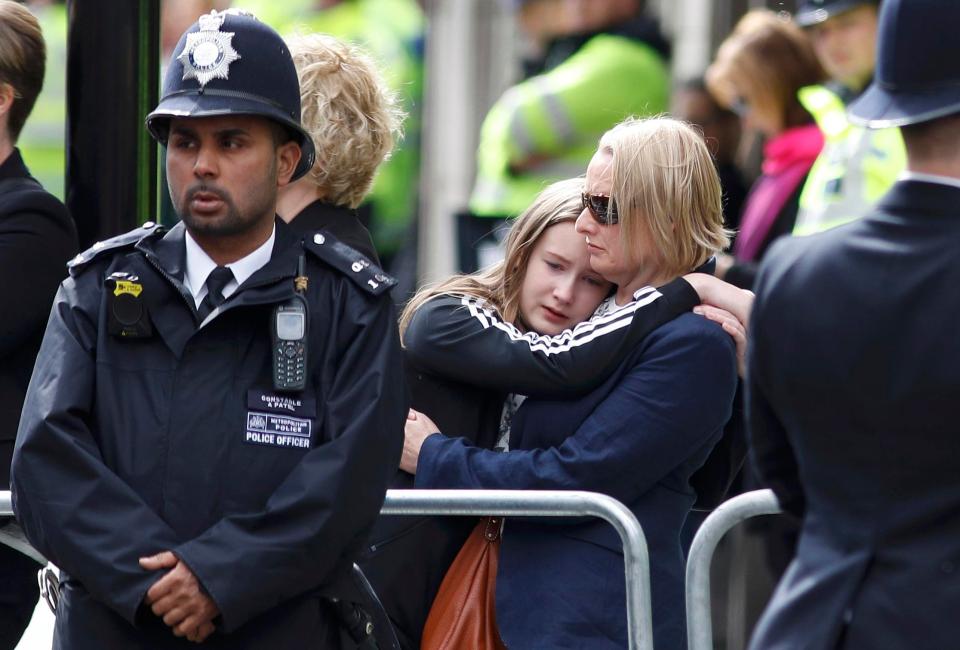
520,134
581,334
560,121
510,103
560,168
488,191
851,202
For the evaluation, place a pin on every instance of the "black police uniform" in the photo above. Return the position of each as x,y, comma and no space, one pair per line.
177,440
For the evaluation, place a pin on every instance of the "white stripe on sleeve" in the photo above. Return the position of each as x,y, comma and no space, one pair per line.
581,334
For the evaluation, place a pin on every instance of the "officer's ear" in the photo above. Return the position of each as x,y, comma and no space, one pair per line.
288,155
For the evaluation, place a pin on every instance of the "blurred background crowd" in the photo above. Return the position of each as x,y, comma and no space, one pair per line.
502,97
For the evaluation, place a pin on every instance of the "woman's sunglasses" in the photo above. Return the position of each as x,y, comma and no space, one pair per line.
600,208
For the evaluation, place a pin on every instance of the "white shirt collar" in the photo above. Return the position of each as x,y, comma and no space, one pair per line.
199,265
930,178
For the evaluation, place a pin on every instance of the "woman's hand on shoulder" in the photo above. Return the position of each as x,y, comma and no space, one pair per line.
717,293
415,431
732,326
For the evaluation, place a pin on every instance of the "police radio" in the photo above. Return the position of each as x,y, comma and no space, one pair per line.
289,327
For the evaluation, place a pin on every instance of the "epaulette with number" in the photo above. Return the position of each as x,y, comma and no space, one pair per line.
352,263
126,240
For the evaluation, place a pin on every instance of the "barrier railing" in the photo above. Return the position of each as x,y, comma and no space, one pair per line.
536,503
711,531
532,503
11,535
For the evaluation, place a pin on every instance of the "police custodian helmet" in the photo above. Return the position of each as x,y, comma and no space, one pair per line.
917,77
814,12
230,63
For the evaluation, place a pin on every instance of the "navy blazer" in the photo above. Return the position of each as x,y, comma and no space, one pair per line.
638,437
854,382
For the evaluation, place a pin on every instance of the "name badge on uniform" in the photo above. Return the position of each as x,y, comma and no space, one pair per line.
279,420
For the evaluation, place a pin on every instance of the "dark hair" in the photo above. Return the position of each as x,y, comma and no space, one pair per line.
22,60
282,134
932,139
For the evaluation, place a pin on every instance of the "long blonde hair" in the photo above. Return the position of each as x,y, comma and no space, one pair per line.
499,285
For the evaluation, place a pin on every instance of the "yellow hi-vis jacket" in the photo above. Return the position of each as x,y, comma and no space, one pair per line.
559,116
856,167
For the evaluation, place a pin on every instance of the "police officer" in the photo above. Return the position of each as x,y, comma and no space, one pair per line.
855,373
216,409
604,61
857,166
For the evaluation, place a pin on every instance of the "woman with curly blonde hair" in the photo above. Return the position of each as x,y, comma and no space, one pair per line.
354,120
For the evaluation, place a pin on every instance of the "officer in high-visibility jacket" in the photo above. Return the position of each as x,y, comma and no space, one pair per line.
857,166
546,127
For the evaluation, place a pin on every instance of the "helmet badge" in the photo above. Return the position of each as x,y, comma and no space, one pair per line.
208,53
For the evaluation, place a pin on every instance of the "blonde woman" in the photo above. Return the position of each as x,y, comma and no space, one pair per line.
354,120
652,214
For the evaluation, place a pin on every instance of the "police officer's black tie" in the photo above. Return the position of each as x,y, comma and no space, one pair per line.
216,281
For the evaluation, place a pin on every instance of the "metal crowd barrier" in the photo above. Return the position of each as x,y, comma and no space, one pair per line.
711,531
10,533
528,503
541,503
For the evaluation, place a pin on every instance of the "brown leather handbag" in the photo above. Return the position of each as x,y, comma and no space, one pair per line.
462,615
